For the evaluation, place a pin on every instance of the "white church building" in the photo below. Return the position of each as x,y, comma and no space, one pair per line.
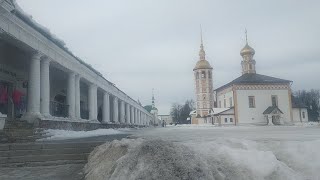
249,99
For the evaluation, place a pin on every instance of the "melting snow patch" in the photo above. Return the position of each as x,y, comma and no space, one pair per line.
307,124
55,134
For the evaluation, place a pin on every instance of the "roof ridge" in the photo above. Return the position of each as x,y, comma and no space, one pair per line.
253,78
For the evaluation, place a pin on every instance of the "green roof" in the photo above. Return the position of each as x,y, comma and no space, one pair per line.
148,108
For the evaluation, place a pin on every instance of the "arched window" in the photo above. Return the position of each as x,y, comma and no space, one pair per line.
197,75
203,74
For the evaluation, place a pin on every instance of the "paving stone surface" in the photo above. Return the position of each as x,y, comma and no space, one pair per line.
60,172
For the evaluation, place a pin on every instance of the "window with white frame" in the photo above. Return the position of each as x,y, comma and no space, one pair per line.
252,103
274,100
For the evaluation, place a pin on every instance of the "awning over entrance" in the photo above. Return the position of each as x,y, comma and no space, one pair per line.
272,110
273,115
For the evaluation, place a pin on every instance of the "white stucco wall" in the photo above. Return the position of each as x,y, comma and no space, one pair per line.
248,115
222,117
207,120
227,94
228,119
296,115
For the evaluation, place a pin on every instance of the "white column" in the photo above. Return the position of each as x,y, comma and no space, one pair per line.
71,94
33,108
139,117
128,116
95,104
136,116
77,99
106,108
142,118
122,112
145,119
45,87
92,102
137,111
132,115
115,110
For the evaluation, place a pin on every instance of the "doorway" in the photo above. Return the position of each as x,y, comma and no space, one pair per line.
6,101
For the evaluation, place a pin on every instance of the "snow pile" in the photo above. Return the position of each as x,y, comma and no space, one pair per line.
29,18
196,126
303,157
307,124
242,159
140,159
102,161
55,134
224,158
193,125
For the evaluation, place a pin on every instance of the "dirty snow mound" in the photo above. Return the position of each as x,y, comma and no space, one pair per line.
156,159
153,159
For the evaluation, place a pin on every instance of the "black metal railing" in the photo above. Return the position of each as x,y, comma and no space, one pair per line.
59,109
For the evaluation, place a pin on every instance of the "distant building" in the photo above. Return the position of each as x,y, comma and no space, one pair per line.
166,118
249,99
154,111
300,112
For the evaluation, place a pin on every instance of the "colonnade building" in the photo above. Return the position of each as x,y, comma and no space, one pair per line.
40,79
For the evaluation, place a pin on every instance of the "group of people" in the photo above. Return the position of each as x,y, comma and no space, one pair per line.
16,97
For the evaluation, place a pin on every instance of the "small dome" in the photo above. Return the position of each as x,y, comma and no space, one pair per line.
247,50
202,64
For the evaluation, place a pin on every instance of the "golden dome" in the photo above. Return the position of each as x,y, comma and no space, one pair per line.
247,50
203,64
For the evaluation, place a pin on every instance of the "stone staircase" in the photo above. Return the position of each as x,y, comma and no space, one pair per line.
45,154
19,132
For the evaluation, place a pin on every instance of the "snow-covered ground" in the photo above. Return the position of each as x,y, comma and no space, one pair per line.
208,152
55,134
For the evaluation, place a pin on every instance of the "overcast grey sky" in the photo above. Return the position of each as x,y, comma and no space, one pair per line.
145,44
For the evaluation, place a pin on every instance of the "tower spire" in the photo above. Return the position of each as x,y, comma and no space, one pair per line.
202,53
153,104
247,52
246,32
201,35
